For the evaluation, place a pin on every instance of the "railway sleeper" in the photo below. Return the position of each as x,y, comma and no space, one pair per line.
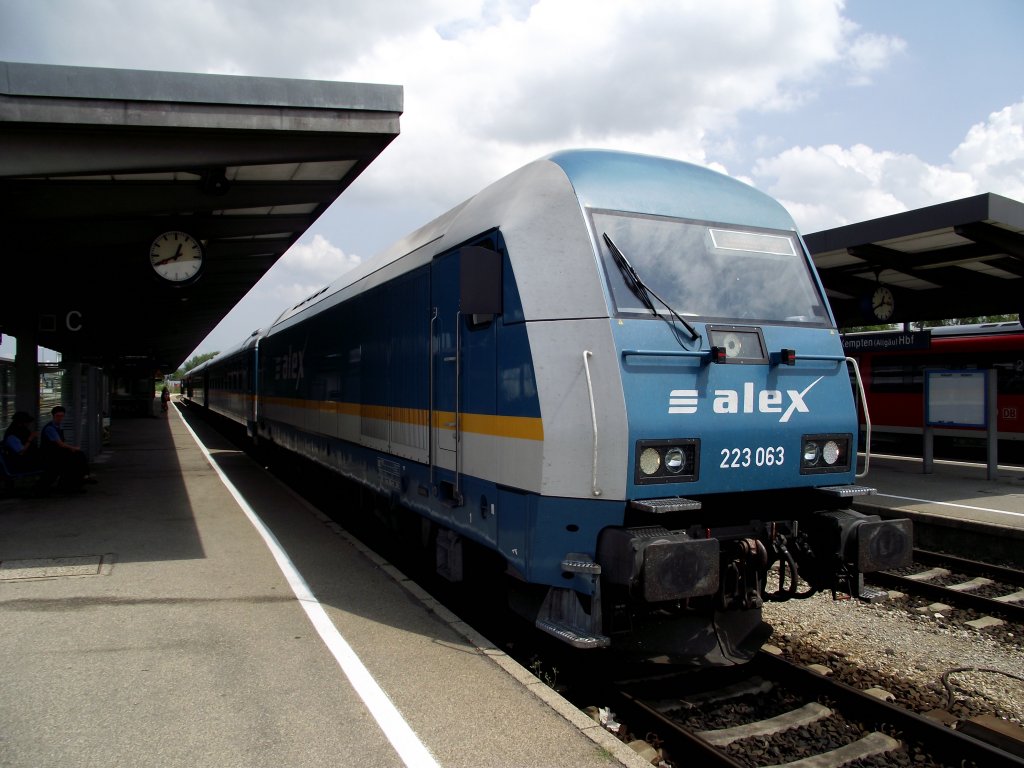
874,743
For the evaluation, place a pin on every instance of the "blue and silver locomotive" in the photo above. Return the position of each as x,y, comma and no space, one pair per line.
617,373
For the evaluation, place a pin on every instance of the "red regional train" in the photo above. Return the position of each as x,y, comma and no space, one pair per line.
893,363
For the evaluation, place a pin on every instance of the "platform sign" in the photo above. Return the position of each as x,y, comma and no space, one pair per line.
956,398
889,341
961,399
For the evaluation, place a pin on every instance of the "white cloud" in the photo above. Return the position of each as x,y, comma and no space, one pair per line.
993,152
318,260
871,53
302,271
660,77
829,186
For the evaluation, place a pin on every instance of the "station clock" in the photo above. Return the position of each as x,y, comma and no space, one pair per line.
177,257
883,303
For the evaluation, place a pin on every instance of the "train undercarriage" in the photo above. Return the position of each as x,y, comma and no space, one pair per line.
669,588
693,594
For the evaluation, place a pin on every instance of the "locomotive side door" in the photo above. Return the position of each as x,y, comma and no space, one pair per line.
444,329
465,299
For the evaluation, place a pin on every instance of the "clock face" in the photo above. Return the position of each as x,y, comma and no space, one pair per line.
176,257
882,303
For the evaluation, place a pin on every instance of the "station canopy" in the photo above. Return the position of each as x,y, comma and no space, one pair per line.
97,163
959,259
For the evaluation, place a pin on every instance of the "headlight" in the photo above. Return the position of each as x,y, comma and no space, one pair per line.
650,462
812,452
675,460
667,461
831,452
825,453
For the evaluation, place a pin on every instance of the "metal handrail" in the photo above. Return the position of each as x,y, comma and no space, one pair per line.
587,354
431,441
665,353
458,395
256,393
867,416
702,353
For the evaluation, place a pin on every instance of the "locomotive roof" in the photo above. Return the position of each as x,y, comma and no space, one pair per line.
624,181
600,179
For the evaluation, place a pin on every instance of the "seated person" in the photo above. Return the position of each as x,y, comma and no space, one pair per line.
19,446
64,464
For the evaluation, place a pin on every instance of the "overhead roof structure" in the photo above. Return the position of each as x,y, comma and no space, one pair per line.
959,259
96,163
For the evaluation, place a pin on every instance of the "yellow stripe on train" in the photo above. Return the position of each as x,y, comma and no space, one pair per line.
519,427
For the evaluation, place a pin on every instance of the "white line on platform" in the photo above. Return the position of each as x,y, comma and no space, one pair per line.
950,504
402,737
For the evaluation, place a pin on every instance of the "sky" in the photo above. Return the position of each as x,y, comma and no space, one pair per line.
843,111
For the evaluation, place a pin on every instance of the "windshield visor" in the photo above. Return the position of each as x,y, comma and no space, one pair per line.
711,271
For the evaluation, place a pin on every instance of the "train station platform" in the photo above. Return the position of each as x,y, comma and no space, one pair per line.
955,507
189,610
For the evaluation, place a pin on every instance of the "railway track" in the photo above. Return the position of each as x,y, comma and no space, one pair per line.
782,714
995,592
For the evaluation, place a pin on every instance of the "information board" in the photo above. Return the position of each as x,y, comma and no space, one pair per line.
955,398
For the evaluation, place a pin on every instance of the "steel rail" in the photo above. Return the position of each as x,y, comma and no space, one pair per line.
973,567
1010,611
938,739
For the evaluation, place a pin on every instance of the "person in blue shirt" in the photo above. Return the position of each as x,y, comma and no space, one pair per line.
65,464
19,444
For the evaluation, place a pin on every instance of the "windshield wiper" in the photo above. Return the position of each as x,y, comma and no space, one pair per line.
642,292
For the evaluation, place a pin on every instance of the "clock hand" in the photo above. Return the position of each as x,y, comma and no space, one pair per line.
169,259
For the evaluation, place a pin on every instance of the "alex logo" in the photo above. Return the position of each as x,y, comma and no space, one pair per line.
288,366
750,400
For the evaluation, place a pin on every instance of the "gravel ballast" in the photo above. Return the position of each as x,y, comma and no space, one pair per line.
905,653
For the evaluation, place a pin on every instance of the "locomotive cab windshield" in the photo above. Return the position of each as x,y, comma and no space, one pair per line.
712,271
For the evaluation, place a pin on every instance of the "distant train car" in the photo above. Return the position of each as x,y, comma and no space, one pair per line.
893,366
193,385
229,383
616,373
